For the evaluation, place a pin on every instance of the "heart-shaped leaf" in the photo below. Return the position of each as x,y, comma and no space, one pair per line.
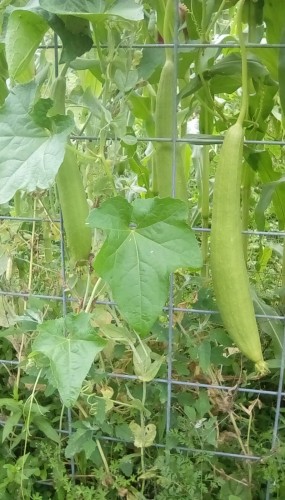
146,241
71,345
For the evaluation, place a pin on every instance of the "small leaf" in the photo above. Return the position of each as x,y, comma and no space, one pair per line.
8,317
99,409
118,334
39,113
144,368
144,436
45,427
71,345
123,432
125,81
141,359
270,326
204,355
190,413
129,140
80,440
10,423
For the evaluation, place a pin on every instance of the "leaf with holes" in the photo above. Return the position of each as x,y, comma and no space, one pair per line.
71,345
145,242
143,436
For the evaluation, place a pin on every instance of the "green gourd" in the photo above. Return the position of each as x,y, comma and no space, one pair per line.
165,121
229,273
71,192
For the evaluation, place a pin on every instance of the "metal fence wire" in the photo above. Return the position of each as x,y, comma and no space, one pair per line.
64,299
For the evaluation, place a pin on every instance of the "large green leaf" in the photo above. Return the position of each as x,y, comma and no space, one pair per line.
25,29
71,345
146,241
229,67
74,34
30,153
281,74
273,188
268,324
24,32
95,11
274,14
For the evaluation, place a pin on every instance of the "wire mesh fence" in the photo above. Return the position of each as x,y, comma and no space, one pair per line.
168,382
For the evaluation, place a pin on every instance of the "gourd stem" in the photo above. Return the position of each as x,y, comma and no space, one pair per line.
168,29
244,98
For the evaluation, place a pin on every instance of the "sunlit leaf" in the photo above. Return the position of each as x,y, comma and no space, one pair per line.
30,154
95,11
24,32
71,345
145,242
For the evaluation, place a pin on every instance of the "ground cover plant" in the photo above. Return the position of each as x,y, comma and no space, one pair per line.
126,370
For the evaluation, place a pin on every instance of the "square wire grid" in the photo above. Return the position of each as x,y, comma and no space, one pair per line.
169,381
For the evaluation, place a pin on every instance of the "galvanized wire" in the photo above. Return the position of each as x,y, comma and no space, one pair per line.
184,449
63,271
168,309
171,287
193,139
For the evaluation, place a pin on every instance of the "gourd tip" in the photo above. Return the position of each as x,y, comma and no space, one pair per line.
261,368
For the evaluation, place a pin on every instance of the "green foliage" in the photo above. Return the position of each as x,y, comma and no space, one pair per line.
127,9
41,150
75,349
24,33
66,342
141,251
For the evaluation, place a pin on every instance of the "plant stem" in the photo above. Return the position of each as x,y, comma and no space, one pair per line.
242,115
93,295
17,204
32,243
86,290
47,242
214,20
205,207
143,432
283,276
27,426
248,173
168,175
244,72
103,458
168,31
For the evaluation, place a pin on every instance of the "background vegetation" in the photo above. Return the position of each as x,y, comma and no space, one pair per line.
87,406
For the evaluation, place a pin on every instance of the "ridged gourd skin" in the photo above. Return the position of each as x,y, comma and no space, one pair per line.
165,122
164,128
229,273
71,191
74,208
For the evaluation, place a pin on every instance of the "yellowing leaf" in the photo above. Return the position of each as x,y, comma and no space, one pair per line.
144,436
